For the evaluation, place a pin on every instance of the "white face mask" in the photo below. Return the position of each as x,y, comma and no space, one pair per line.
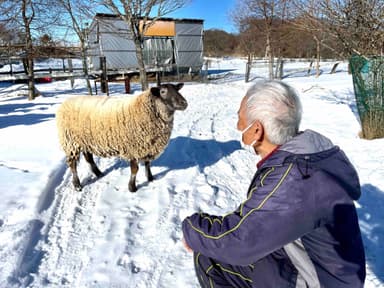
246,147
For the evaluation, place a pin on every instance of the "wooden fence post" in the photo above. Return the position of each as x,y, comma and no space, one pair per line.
10,65
247,71
310,68
70,67
281,69
334,68
104,77
206,65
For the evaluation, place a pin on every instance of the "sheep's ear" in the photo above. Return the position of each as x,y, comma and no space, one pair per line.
155,91
179,86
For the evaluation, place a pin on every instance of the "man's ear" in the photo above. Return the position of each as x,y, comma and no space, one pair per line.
258,130
155,91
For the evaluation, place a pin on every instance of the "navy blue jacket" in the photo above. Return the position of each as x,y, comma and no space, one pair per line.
299,206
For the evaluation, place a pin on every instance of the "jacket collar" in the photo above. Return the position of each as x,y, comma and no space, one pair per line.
305,143
266,157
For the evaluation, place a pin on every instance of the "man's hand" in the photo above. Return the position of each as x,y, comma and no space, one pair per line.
186,246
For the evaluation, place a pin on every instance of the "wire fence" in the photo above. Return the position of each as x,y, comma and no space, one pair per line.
368,82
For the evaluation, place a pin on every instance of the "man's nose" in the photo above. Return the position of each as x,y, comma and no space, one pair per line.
238,126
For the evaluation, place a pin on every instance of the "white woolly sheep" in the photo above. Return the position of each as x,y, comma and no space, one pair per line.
135,129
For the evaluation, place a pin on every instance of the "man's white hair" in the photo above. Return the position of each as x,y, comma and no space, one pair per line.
277,106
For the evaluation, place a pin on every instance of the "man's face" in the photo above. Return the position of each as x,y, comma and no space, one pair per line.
242,123
242,117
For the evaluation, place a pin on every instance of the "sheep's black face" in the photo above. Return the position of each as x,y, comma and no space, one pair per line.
169,94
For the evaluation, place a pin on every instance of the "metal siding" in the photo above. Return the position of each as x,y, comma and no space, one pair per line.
189,28
190,59
189,44
114,26
121,60
158,51
112,42
115,44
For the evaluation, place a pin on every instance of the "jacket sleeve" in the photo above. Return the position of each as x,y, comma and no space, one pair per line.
274,214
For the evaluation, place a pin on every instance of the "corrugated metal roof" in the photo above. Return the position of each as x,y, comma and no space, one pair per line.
186,20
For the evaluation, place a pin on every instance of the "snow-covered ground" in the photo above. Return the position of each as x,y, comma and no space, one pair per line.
105,236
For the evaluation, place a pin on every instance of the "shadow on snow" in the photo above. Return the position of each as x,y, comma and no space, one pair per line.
25,119
181,153
217,71
184,152
371,215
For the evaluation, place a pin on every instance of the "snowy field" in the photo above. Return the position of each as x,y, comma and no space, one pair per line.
105,236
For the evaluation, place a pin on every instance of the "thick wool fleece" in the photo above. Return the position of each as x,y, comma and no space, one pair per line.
130,128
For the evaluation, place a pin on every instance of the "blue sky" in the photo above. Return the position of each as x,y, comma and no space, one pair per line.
215,13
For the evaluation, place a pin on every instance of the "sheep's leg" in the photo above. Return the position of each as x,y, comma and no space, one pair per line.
148,172
72,163
89,158
132,180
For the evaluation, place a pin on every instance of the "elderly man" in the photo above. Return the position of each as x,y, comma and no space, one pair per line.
298,226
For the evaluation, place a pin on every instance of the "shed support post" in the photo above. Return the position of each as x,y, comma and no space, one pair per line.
104,78
158,78
127,84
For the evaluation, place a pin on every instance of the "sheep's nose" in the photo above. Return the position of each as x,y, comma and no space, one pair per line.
184,104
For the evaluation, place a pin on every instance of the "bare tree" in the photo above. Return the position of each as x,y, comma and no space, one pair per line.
284,7
79,13
219,43
27,17
267,10
358,25
249,41
28,14
309,18
140,15
5,34
8,37
248,28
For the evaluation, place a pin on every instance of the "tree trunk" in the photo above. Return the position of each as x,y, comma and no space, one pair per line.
85,66
318,56
31,79
270,56
140,61
248,68
30,67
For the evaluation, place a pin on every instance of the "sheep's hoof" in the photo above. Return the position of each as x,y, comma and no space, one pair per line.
132,187
78,188
101,174
77,185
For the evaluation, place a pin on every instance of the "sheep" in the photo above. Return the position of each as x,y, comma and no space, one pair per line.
135,129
